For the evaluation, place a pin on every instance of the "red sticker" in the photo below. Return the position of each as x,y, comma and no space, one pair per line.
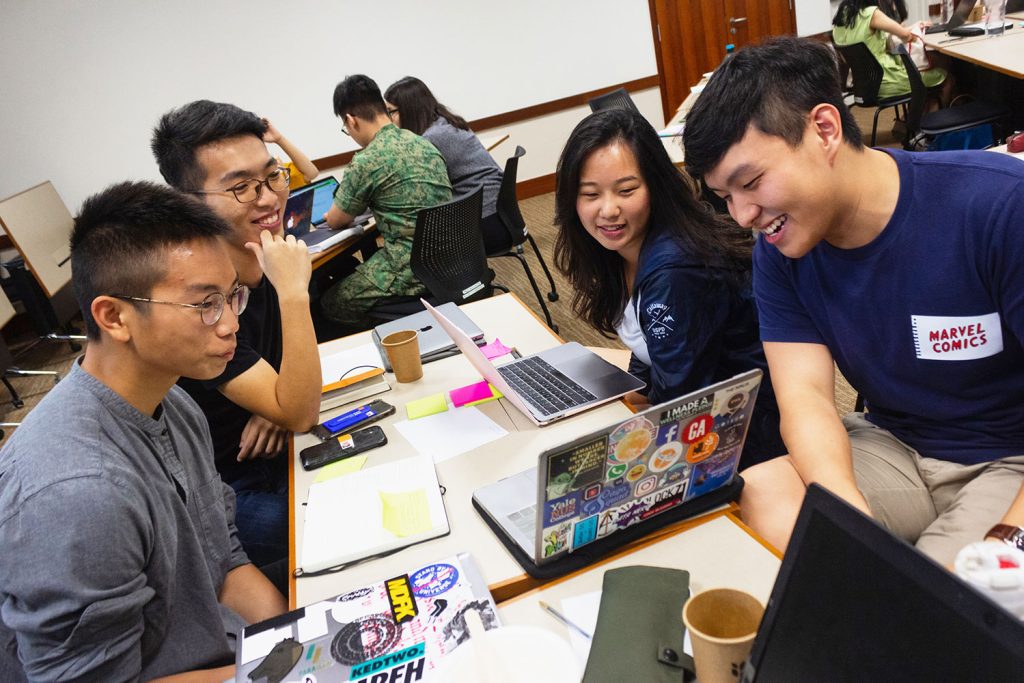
699,427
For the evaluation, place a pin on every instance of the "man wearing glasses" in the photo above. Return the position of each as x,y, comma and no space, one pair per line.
272,385
396,174
118,536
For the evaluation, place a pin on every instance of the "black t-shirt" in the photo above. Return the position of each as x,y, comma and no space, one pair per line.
259,336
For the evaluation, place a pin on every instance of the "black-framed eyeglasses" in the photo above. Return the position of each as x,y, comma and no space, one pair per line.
392,111
211,308
344,127
250,190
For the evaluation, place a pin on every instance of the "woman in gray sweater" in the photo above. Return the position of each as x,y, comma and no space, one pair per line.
412,106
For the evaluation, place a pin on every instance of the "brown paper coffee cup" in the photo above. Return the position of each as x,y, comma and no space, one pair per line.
403,349
722,624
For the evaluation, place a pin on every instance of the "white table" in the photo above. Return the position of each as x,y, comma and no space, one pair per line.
1004,54
505,317
718,551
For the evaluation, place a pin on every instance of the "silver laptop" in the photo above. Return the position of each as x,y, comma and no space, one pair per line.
433,340
549,385
628,472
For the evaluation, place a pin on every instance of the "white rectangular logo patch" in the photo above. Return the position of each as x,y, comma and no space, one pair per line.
939,337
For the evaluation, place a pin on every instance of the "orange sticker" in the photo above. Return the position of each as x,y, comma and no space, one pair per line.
345,441
702,450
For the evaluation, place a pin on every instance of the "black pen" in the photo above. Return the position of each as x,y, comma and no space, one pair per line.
951,40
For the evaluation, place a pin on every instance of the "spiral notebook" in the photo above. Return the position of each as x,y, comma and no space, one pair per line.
371,512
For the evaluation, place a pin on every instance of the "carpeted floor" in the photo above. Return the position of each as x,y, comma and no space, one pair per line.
538,212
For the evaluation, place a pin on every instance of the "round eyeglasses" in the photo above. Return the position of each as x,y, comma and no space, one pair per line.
250,190
211,308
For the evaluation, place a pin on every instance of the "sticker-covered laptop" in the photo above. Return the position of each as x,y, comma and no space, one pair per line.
628,473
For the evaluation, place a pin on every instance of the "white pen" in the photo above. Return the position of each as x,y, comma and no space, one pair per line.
561,617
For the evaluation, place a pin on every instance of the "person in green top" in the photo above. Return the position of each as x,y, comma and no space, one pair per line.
395,175
863,21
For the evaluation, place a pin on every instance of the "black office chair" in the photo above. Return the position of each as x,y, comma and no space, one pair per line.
923,126
448,251
616,99
448,257
867,76
512,219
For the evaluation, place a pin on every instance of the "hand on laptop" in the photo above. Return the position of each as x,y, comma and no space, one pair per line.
261,439
286,263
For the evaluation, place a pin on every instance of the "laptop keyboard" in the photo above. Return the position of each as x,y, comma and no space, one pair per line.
536,381
525,520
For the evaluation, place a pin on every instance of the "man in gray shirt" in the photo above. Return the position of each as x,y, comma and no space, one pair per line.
121,557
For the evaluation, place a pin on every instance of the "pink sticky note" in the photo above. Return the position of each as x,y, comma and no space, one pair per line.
495,349
468,394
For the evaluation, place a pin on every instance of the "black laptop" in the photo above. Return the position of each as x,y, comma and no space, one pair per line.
854,603
959,18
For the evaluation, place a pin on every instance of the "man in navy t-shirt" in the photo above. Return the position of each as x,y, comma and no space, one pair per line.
907,271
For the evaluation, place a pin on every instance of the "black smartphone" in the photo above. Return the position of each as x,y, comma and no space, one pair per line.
344,446
351,420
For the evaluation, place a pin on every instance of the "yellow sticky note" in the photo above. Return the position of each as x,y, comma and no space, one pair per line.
429,405
340,468
406,513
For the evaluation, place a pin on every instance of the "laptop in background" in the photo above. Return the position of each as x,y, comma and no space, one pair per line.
323,197
304,216
854,603
433,340
963,10
298,213
628,472
549,385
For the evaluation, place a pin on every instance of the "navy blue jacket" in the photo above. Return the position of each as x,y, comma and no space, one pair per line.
701,327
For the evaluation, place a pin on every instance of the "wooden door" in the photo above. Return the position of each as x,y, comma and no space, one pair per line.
690,37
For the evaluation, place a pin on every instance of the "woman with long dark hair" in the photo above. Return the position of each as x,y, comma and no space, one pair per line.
412,106
649,262
871,22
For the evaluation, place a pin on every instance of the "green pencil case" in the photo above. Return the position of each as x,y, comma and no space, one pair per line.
639,634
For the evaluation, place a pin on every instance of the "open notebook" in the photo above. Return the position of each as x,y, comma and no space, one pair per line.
371,512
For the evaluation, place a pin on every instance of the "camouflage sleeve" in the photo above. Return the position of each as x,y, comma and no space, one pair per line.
353,195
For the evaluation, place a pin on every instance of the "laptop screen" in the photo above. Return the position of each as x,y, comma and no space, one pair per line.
298,212
323,197
854,603
634,470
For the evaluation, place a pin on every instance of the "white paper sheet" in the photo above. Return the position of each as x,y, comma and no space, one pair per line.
451,433
336,364
582,611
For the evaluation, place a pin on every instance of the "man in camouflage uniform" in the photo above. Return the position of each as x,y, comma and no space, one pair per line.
395,175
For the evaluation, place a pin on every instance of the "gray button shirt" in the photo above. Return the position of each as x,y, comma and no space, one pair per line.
117,534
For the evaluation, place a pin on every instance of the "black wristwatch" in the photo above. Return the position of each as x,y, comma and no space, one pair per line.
1011,535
